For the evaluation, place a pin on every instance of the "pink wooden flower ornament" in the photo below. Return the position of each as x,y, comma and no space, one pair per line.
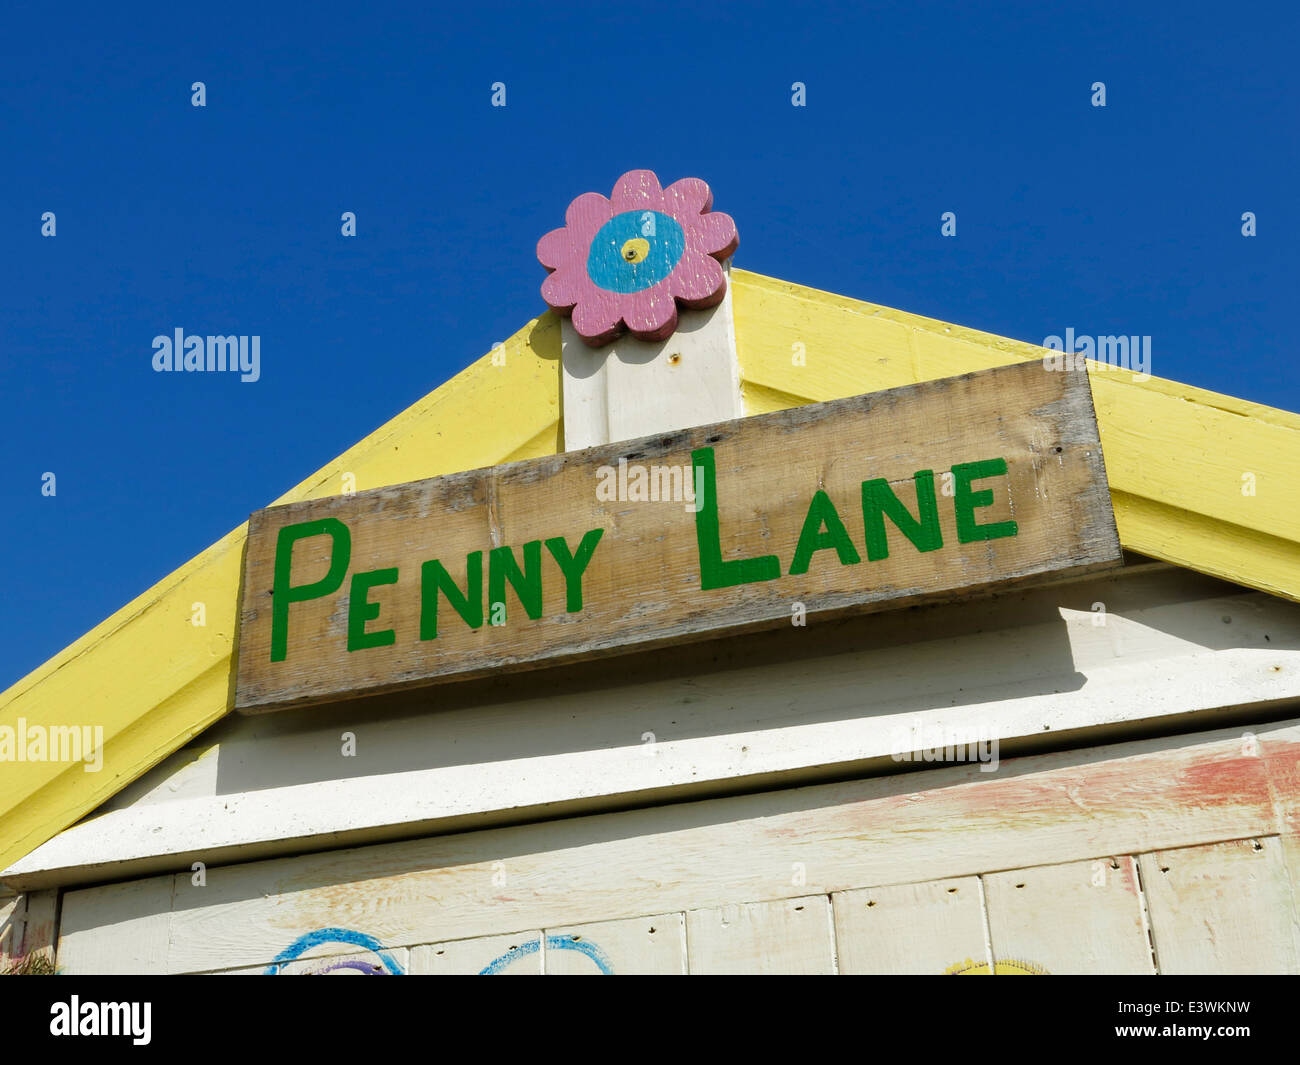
626,262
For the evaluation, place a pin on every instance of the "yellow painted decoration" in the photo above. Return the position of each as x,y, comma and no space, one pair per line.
970,967
636,249
1198,479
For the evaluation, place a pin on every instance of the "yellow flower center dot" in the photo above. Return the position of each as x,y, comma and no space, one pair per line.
636,249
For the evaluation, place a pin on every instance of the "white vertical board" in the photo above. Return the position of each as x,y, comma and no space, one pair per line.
1222,908
1081,917
632,388
910,929
41,924
12,912
121,928
790,936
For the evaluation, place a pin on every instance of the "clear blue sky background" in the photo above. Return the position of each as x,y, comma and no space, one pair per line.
1122,220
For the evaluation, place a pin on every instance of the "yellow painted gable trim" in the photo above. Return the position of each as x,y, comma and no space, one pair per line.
1174,455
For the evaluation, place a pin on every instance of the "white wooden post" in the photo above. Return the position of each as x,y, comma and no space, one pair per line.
632,388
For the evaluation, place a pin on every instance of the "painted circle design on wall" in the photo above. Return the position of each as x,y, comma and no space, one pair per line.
297,958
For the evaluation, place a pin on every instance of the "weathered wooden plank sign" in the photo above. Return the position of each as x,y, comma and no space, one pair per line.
933,491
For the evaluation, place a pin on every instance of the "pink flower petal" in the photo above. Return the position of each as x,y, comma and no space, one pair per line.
698,281
558,249
651,314
637,189
571,244
714,234
565,288
687,198
597,317
588,212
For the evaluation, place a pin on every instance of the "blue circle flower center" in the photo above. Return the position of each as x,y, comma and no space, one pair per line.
635,250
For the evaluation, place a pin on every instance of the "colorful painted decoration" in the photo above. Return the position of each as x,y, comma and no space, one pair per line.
626,262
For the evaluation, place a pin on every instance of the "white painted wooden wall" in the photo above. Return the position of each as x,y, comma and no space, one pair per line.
1152,646
1172,855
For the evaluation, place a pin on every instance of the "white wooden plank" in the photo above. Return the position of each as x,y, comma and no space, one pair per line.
514,752
28,929
1076,918
1281,754
13,909
509,955
640,946
910,929
790,936
325,963
1150,795
118,929
41,925
1223,908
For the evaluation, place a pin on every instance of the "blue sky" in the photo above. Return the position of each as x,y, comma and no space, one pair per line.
225,219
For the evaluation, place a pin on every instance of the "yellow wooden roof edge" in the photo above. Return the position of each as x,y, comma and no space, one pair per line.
754,290
1175,457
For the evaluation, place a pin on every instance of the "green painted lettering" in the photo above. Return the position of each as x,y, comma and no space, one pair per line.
361,610
574,565
434,578
714,573
283,593
879,502
966,501
822,512
527,582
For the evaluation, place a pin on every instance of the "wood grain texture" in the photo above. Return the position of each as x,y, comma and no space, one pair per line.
328,957
519,954
1081,917
1130,798
139,915
1221,908
640,946
331,961
29,928
910,929
13,909
648,583
786,937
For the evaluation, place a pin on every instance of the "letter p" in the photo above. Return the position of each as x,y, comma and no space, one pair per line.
284,593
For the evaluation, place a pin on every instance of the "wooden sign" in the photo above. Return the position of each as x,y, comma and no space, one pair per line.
934,491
